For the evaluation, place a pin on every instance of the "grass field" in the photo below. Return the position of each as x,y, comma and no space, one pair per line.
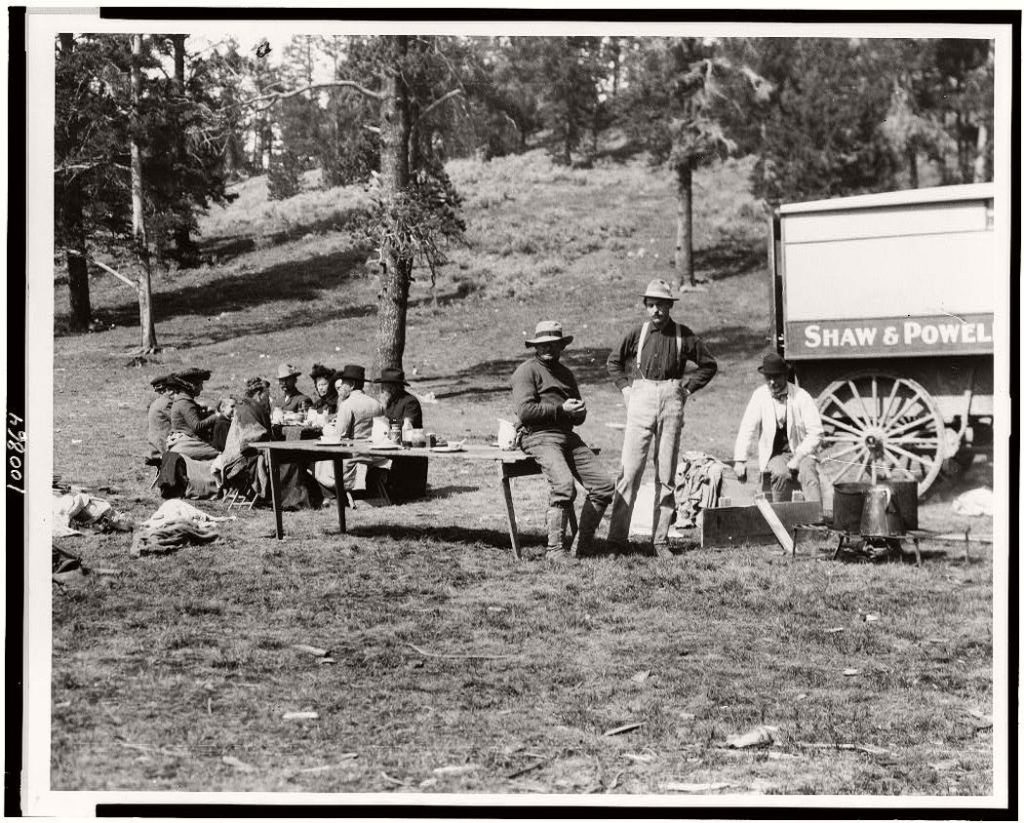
457,668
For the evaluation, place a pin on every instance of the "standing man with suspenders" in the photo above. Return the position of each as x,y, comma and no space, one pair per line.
654,356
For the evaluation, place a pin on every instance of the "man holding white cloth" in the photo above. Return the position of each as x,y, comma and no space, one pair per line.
786,422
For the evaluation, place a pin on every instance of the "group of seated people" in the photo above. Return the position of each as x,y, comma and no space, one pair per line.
202,450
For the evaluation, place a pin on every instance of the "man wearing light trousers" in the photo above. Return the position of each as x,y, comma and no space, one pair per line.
648,367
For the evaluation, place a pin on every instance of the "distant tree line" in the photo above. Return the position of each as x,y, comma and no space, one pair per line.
150,133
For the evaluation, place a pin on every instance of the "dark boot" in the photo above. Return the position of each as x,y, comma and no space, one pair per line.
556,518
590,519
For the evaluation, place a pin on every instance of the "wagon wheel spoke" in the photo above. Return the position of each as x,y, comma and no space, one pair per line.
922,459
889,406
842,406
849,464
917,423
842,424
868,414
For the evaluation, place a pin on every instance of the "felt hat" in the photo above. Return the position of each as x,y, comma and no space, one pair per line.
320,370
660,290
549,331
356,374
287,370
255,384
160,382
391,376
193,375
773,363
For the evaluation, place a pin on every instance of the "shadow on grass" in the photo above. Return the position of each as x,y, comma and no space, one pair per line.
225,248
731,258
737,341
495,376
447,534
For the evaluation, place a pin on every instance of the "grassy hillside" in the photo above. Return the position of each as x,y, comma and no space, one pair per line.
180,661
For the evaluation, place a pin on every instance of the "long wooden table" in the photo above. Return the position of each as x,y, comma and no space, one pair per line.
509,464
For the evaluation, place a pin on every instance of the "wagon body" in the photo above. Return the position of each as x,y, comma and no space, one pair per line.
884,303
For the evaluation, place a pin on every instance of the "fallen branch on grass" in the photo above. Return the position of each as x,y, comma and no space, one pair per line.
867,748
141,747
527,769
425,653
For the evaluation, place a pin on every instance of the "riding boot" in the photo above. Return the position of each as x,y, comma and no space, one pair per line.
590,519
557,518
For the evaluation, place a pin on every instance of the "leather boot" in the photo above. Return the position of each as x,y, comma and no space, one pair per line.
590,519
557,518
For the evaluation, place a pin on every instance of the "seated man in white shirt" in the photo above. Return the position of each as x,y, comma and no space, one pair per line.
356,411
786,423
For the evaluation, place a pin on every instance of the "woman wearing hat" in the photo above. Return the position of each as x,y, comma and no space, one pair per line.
158,419
548,404
653,358
246,469
325,397
191,425
785,421
292,400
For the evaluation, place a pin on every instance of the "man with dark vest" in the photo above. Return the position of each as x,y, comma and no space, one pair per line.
648,368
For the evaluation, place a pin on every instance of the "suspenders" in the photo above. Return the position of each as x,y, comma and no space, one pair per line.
643,337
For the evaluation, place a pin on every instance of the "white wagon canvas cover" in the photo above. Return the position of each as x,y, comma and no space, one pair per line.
909,273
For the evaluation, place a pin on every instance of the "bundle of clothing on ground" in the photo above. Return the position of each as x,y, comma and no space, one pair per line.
698,484
175,524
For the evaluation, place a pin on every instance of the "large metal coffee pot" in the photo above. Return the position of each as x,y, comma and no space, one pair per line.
881,516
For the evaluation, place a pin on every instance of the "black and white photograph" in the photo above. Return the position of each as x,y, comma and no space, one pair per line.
519,409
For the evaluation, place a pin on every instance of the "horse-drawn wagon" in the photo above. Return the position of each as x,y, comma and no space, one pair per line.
884,303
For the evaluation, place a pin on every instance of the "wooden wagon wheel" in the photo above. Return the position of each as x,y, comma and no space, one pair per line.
880,425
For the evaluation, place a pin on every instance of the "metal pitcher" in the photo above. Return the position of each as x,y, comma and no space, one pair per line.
881,517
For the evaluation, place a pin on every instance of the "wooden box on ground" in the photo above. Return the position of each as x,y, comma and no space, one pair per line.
736,525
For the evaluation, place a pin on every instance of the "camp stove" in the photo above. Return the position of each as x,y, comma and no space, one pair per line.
868,521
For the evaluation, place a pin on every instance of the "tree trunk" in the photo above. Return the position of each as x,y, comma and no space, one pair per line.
981,157
393,300
912,166
78,270
186,252
684,222
138,215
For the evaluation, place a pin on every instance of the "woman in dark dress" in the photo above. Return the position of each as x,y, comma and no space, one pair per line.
246,468
325,396
192,426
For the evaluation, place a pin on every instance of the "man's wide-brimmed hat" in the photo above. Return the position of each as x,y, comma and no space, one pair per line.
160,382
287,370
659,290
773,363
549,331
391,376
357,374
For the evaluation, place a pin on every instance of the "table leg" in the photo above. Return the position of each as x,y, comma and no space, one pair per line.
275,490
339,490
510,511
